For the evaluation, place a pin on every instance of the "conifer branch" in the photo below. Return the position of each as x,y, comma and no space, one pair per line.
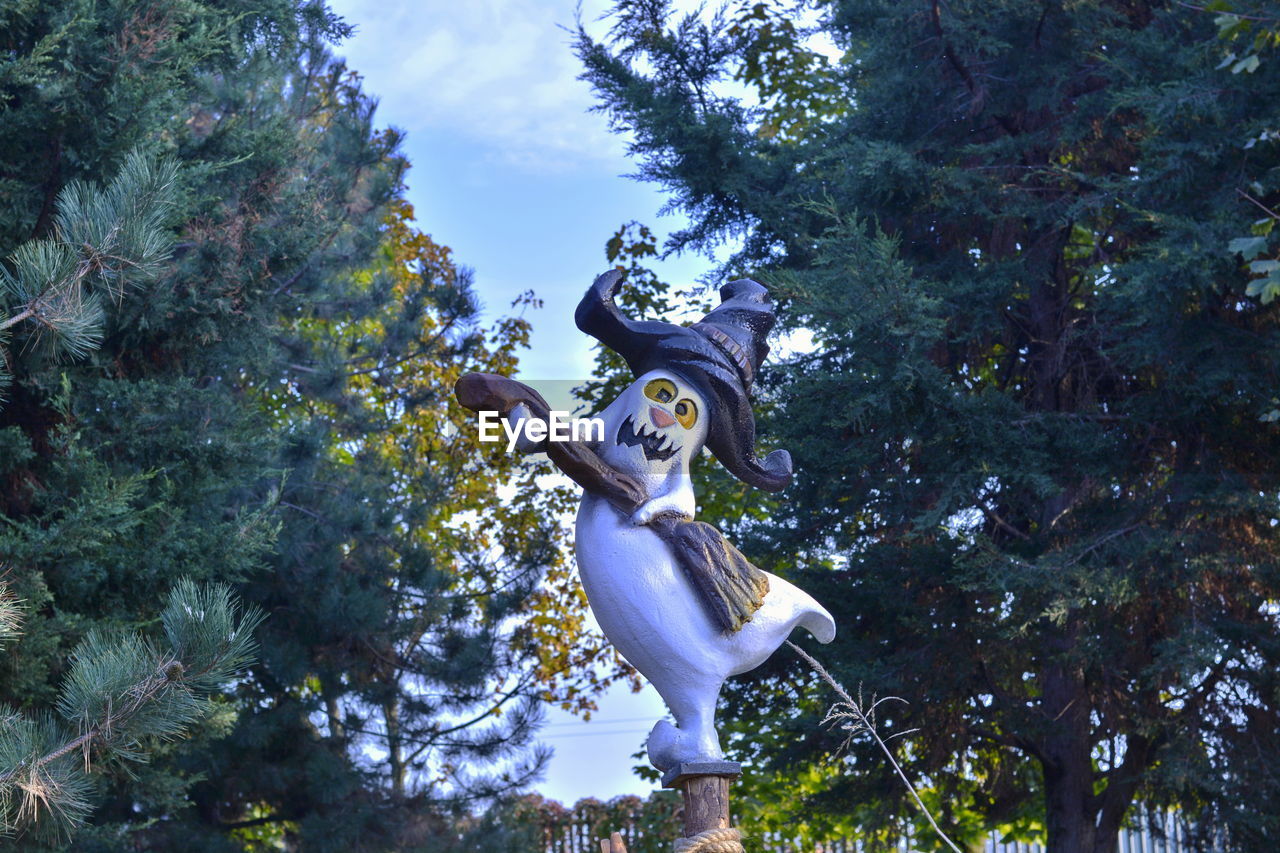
10,615
168,673
104,241
121,694
17,318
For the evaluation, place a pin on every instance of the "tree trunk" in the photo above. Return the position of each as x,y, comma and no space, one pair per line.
337,731
1070,811
1068,816
395,748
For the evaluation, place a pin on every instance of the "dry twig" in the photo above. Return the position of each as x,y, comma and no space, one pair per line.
850,716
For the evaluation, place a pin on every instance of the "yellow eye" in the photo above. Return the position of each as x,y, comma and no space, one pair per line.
660,390
686,413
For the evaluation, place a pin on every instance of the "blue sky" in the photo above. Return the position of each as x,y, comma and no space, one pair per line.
513,172
510,168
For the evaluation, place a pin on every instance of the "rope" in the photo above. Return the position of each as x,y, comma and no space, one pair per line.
712,841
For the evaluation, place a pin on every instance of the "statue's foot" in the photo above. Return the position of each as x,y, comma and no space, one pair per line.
669,746
663,746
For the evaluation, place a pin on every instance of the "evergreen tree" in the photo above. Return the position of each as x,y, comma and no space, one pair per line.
399,682
272,413
1035,440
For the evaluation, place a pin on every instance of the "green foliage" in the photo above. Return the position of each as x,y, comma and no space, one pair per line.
796,84
428,610
529,823
1249,31
121,693
1035,439
103,241
274,414
1258,29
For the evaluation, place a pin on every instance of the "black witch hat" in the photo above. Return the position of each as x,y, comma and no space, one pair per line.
719,354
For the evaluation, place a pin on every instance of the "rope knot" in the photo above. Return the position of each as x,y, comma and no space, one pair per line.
712,841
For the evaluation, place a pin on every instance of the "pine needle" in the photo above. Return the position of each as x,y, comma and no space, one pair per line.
120,693
10,615
105,240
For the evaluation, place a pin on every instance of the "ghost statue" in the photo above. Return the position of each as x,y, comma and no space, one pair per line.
691,391
680,603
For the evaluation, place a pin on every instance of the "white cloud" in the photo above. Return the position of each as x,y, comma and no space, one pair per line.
499,73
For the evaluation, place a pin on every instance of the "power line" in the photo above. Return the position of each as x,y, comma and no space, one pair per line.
598,722
585,734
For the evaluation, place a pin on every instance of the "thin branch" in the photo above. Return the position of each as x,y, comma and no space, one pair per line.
870,727
1011,741
1262,206
1241,15
16,319
1002,524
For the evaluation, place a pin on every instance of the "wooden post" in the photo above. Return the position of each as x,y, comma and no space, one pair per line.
704,787
614,844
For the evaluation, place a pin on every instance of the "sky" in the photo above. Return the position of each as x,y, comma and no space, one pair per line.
513,171
510,167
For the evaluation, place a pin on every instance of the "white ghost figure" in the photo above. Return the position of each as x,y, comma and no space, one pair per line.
644,602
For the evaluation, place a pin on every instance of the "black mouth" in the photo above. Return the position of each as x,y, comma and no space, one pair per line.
649,440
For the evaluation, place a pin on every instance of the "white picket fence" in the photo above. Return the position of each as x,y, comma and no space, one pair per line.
580,833
1172,838
1139,839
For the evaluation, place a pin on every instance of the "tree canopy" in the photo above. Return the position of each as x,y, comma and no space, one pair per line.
269,409
1035,442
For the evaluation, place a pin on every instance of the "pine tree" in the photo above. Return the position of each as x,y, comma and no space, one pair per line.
399,682
120,693
1035,448
271,414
